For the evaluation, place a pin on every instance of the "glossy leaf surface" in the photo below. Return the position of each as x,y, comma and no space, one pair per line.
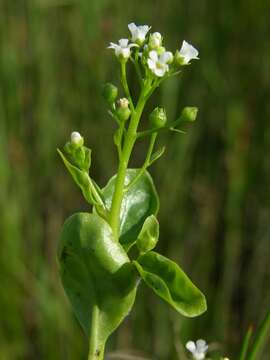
148,236
170,282
139,202
95,271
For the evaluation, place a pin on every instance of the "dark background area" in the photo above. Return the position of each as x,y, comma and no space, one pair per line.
213,181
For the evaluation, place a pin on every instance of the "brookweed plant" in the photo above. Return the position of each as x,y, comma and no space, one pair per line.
99,272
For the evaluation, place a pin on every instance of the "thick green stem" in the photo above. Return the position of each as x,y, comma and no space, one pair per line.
96,350
130,139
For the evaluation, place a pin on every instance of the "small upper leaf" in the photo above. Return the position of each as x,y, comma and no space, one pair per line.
148,236
170,282
139,202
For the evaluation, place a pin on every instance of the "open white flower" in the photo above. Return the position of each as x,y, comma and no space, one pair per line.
138,33
198,349
122,49
159,63
187,53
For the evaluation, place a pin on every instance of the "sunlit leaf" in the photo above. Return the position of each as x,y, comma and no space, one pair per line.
139,202
95,271
170,282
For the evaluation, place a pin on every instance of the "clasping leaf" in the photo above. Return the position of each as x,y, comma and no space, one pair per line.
96,273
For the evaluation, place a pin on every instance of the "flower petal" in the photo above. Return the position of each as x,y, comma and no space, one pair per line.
188,51
112,46
125,52
166,57
151,64
201,345
144,29
153,55
132,28
160,71
190,345
123,43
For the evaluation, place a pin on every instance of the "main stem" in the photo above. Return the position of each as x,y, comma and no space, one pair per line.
96,350
123,164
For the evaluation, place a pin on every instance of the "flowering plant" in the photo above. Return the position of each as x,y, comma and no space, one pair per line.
99,273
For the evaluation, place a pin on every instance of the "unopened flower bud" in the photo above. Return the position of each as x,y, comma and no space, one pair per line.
155,41
158,118
123,110
123,103
110,93
76,140
189,113
161,50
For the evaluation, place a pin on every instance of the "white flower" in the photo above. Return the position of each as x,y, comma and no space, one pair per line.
159,63
187,53
197,349
138,33
122,49
155,40
76,138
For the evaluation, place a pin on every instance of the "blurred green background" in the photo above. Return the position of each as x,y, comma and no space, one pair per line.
213,181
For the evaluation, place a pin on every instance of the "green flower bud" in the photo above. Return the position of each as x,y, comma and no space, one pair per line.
123,110
76,140
161,50
155,41
149,234
189,113
158,118
110,93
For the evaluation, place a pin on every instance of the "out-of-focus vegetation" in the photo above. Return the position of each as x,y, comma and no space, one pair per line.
214,181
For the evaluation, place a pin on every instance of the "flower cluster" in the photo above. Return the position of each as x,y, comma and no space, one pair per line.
148,48
198,349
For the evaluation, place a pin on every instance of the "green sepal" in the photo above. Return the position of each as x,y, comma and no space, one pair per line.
87,159
139,202
149,234
170,283
96,272
81,178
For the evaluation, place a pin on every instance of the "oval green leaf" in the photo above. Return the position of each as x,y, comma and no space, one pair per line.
96,273
139,202
170,283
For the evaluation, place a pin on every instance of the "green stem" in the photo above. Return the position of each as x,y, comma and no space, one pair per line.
260,339
130,140
245,345
137,67
96,350
146,162
125,84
